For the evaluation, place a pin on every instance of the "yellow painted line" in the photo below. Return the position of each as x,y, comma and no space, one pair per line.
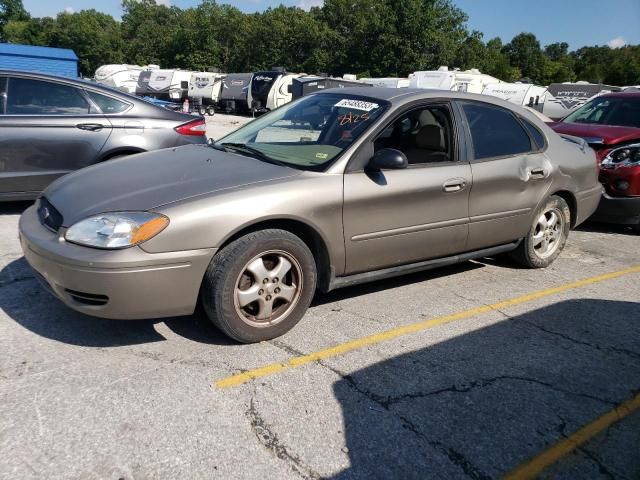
534,467
239,379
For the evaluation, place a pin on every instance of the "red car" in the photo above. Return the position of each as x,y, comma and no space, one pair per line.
611,125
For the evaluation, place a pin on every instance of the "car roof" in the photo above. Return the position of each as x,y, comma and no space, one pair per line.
75,81
403,95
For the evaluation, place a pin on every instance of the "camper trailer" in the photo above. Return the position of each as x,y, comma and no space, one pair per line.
142,85
387,82
471,81
271,89
121,76
204,91
523,94
563,98
303,86
235,93
172,85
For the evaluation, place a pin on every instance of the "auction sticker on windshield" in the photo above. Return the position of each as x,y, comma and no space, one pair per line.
357,104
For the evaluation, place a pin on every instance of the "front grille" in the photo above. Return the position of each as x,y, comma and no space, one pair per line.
49,216
87,298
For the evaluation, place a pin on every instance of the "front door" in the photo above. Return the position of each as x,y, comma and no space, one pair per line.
396,217
48,129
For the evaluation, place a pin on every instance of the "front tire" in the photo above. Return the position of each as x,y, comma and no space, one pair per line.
547,236
259,286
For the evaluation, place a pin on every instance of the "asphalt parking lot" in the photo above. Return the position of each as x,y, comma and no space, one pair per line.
478,371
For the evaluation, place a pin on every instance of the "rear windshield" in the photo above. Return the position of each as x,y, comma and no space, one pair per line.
616,111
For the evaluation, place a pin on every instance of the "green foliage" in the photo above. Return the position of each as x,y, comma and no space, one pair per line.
11,11
376,37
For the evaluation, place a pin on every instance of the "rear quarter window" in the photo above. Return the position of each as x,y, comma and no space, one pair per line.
108,105
536,134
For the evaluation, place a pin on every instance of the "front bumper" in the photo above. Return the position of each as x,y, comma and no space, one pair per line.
619,210
118,284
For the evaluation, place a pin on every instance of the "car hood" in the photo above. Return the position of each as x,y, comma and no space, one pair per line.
598,134
150,180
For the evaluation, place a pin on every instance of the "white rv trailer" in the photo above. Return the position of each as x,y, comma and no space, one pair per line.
204,90
523,94
121,76
271,89
387,82
472,81
169,84
563,98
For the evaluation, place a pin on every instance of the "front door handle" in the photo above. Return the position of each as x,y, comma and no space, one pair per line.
92,127
454,185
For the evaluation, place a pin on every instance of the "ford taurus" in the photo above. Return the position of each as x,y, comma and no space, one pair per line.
337,188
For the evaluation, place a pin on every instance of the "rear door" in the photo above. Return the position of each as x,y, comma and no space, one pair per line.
511,174
48,129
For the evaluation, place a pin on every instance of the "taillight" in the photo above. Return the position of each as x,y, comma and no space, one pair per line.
195,128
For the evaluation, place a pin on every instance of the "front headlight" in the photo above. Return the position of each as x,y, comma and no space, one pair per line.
116,230
627,156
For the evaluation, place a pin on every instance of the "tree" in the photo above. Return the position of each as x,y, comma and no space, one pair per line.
94,36
11,11
148,31
524,53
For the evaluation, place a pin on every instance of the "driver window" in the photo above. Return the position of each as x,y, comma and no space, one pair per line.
424,135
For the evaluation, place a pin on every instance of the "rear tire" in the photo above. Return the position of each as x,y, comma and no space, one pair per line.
202,111
547,236
211,111
259,286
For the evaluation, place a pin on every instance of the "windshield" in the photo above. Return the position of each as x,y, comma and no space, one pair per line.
616,111
310,132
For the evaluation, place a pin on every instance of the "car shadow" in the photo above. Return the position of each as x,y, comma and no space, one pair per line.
598,227
479,404
401,281
35,309
14,208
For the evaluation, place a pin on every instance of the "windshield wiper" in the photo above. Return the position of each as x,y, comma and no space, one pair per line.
242,147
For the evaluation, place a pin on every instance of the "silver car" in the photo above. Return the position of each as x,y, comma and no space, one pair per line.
51,126
337,188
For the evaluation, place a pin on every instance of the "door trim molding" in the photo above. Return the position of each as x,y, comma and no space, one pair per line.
411,229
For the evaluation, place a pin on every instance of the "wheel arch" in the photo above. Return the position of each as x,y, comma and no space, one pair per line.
119,152
570,198
310,235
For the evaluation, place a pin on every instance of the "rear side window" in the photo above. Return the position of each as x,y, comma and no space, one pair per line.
36,97
536,134
495,132
108,104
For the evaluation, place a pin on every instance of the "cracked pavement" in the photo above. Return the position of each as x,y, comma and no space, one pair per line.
88,398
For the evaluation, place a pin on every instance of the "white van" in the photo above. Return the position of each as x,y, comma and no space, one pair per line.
204,91
472,81
271,89
121,76
387,82
523,94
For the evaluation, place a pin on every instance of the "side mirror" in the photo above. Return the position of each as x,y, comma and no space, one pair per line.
388,159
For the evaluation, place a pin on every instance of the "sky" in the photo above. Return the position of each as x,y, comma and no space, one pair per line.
577,22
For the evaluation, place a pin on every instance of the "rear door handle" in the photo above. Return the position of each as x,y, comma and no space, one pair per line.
537,173
454,185
92,127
